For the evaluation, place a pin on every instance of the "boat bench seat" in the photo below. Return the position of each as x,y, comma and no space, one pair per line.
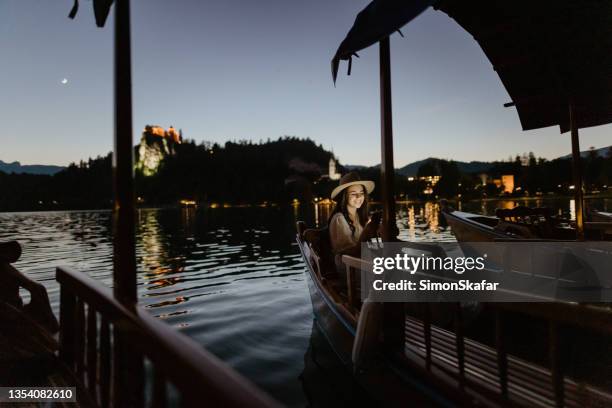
320,245
525,214
322,260
532,217
528,222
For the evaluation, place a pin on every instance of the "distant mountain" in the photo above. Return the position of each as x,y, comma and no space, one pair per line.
601,152
474,167
351,167
465,167
16,167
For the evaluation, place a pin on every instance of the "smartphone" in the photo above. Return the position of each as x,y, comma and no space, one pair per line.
376,217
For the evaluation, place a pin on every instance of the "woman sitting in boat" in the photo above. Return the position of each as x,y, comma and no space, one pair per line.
348,223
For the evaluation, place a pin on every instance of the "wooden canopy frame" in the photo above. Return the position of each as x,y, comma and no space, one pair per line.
553,58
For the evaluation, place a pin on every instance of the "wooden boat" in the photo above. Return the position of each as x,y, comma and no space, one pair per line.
408,347
337,308
522,223
600,216
432,365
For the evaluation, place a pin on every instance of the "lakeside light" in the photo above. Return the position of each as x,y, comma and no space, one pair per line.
571,187
188,202
213,205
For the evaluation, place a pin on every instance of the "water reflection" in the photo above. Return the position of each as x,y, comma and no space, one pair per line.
232,279
415,221
418,221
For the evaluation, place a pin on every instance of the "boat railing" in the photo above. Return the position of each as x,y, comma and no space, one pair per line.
91,321
38,309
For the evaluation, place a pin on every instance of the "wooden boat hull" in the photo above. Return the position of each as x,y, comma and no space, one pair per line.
600,216
385,380
338,329
468,227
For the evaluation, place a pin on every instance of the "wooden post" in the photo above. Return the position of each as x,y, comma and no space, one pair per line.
460,343
127,366
124,271
387,170
556,368
577,170
67,327
502,356
393,325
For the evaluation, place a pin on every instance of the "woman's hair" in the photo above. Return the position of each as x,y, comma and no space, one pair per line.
341,207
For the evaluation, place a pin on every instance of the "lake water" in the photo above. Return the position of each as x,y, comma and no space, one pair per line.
230,278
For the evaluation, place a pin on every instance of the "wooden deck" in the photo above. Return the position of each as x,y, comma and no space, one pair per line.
519,354
526,384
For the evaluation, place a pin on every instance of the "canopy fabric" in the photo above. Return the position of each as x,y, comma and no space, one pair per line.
547,53
377,21
101,10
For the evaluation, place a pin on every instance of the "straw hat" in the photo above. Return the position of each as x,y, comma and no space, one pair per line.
351,179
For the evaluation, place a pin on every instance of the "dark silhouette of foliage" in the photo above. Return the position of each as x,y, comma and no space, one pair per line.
236,173
277,171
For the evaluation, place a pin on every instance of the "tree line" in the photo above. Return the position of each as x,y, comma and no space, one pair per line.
278,171
240,172
532,176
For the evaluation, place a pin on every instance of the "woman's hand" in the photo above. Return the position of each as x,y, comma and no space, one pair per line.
372,227
376,217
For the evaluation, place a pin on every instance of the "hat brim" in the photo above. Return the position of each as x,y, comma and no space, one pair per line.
367,184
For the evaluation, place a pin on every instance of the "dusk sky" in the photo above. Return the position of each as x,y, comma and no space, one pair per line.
242,69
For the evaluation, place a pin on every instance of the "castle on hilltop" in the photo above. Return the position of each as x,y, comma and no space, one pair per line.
171,133
155,144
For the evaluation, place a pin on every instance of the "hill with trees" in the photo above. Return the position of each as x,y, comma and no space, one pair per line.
236,173
281,171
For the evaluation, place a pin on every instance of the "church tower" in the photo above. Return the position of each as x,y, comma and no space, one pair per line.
332,170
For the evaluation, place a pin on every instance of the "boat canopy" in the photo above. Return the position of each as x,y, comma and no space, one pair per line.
378,20
101,10
548,53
